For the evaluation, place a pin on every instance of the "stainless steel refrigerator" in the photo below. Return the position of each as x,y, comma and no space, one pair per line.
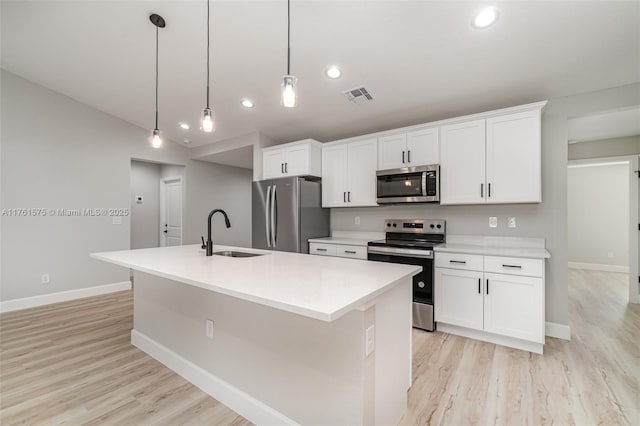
286,213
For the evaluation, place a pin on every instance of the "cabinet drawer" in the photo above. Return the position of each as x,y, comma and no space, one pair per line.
356,252
322,249
514,266
471,262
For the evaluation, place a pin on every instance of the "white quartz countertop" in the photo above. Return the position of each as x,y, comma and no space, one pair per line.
320,287
493,250
341,241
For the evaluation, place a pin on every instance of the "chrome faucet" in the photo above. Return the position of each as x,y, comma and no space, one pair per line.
209,244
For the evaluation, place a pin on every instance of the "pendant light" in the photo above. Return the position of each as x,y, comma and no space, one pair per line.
289,98
208,123
158,21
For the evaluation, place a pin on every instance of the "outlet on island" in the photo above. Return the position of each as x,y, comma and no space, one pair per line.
210,329
44,278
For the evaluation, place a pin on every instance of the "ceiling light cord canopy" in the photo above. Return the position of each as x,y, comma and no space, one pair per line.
208,123
289,97
159,22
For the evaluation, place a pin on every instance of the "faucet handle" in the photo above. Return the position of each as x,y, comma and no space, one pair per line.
204,245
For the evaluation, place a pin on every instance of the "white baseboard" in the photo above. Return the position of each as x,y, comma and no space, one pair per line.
599,267
247,406
497,339
561,331
62,296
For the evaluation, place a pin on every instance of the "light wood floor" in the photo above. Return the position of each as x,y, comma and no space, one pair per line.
72,363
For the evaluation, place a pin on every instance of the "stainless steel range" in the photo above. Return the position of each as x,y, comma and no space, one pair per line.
411,241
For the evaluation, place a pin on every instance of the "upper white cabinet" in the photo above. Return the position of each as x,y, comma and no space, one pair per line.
349,173
292,159
415,148
493,160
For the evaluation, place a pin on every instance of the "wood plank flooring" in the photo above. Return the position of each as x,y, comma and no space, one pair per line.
72,363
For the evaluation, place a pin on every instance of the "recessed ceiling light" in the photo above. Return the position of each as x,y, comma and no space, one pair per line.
184,126
247,103
333,72
187,141
485,18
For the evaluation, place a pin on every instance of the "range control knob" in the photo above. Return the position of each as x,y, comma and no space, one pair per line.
438,226
388,224
394,225
421,284
431,226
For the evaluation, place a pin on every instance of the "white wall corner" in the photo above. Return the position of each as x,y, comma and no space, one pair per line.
560,331
62,296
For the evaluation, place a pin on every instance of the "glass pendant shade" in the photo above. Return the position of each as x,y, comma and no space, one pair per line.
289,97
156,141
208,123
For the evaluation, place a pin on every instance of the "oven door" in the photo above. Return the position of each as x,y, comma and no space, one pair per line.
422,286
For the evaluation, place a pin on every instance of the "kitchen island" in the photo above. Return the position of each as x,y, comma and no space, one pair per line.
294,339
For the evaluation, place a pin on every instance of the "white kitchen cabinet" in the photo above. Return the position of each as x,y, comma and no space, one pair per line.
349,173
492,161
415,148
458,297
302,158
338,250
503,308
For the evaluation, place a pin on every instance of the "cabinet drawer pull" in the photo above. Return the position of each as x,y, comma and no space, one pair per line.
349,196
282,168
512,266
489,191
408,156
350,251
344,197
321,249
479,291
487,285
458,261
286,170
482,190
402,157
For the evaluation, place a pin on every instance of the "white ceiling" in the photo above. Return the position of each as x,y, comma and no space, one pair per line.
605,125
421,60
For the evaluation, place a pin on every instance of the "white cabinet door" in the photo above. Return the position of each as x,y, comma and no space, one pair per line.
335,179
297,160
423,147
462,165
362,162
392,152
513,158
459,297
273,163
513,306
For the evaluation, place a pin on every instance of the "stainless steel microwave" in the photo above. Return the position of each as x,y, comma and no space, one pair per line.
408,185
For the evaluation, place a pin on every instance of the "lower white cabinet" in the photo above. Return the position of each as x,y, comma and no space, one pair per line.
503,308
338,250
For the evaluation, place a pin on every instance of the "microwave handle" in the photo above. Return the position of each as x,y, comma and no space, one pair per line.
424,184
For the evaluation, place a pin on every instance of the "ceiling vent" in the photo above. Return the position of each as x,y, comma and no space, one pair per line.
358,95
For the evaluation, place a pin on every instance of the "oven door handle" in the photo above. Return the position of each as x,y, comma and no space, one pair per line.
392,251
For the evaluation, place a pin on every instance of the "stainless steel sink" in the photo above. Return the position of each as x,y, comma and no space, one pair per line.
236,254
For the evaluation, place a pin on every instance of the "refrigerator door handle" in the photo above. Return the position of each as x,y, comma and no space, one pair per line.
266,216
274,213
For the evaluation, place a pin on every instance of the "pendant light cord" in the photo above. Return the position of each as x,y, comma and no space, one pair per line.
207,54
157,77
288,36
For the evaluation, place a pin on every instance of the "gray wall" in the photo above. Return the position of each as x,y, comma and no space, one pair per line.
59,153
145,216
598,200
617,147
547,219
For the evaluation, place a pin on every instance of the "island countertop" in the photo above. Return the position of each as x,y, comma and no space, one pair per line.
319,287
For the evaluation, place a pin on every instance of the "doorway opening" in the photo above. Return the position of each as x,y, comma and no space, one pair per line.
603,199
157,204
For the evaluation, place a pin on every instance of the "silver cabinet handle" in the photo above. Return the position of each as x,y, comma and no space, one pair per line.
458,261
482,190
512,266
321,249
350,251
267,224
408,156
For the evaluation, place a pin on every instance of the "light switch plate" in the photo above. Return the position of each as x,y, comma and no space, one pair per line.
357,220
370,338
511,222
493,222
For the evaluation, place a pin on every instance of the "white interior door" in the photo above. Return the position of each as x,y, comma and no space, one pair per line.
171,212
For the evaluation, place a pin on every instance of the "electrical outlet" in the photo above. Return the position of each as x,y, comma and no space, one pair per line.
44,279
210,329
357,220
370,338
117,220
610,255
493,222
511,222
